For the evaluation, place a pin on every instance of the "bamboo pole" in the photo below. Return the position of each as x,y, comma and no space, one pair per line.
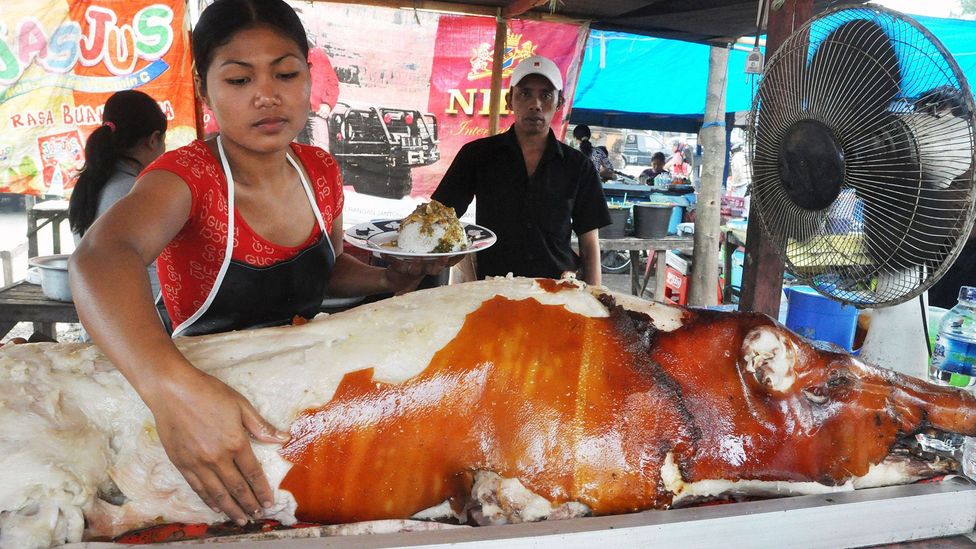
762,274
702,290
494,108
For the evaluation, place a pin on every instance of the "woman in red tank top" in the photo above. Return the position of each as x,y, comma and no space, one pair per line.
247,229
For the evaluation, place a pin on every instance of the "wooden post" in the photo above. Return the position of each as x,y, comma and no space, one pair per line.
703,285
494,109
762,274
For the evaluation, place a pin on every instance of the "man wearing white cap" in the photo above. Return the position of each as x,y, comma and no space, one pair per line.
532,190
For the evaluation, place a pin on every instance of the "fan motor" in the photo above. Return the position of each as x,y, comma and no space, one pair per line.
811,165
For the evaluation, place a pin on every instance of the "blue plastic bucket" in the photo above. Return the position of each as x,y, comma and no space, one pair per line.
677,214
817,317
738,260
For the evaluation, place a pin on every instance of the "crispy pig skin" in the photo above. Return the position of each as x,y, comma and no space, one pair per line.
571,406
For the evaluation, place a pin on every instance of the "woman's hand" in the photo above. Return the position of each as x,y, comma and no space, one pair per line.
204,426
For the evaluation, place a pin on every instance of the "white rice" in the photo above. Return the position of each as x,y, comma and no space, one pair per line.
412,240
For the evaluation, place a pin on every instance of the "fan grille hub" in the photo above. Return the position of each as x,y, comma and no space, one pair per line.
811,165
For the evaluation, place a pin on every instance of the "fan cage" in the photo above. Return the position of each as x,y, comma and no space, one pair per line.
906,203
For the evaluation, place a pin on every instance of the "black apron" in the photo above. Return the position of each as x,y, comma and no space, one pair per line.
244,296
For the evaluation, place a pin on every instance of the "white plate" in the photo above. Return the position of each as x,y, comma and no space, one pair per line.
377,236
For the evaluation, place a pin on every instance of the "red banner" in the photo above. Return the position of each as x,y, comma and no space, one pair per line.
60,60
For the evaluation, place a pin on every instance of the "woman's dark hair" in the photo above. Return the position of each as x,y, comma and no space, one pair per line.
224,18
129,116
582,134
582,131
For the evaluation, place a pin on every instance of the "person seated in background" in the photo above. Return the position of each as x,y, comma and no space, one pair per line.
132,135
597,155
657,168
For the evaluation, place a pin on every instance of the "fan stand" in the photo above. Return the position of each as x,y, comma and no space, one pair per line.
898,338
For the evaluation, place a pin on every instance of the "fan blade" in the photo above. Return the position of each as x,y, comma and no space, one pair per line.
854,76
940,123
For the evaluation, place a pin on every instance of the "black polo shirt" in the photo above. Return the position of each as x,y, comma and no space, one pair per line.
531,216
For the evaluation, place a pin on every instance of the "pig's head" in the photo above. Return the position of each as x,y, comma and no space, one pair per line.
835,401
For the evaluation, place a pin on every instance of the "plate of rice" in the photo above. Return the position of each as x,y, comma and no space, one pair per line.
432,230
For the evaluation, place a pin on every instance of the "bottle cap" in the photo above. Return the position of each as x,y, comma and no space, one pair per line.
967,293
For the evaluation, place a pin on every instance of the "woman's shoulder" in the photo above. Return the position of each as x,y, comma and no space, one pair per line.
192,155
321,166
310,154
324,176
192,166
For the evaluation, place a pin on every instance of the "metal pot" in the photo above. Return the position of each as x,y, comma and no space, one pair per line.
54,276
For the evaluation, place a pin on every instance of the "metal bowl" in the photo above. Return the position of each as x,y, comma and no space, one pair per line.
54,276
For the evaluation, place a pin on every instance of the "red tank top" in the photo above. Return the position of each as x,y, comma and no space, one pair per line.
189,264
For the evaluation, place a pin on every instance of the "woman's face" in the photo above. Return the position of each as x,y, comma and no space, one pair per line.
258,88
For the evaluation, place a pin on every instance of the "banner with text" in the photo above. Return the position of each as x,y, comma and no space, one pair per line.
60,60
396,93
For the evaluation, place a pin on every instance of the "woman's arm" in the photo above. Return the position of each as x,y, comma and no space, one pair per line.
202,424
352,277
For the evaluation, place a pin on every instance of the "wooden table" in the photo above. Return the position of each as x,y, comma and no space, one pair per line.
25,302
637,245
49,211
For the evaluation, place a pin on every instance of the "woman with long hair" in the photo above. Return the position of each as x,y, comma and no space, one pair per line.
597,155
247,228
132,134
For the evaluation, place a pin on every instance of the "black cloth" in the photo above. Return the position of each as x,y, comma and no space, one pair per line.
945,292
533,216
256,297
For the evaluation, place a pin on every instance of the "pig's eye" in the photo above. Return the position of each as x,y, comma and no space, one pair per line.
815,395
839,378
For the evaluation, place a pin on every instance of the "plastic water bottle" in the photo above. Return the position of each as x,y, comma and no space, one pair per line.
954,364
662,180
954,354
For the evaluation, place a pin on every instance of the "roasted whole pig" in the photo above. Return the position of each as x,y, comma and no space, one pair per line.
499,401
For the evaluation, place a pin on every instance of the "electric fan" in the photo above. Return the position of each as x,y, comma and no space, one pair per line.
861,142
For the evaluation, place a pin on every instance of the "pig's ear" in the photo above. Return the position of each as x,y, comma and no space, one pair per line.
770,355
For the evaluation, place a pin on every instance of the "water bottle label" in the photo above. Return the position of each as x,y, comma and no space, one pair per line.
954,361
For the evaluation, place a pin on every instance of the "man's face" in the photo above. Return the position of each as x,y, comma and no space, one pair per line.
657,164
533,102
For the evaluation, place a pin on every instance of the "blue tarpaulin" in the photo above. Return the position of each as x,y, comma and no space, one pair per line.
959,38
631,81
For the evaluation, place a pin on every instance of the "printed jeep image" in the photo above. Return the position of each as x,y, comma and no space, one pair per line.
377,146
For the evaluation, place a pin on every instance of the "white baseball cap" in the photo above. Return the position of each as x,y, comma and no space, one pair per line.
540,65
